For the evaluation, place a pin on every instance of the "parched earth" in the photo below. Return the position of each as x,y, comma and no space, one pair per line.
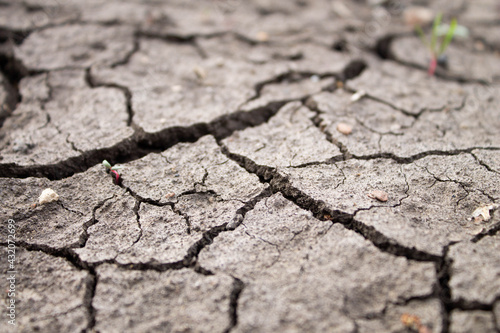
244,203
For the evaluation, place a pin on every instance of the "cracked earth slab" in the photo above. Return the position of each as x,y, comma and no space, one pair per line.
241,206
100,119
187,168
475,271
28,137
489,159
371,122
163,237
291,258
177,301
289,138
422,196
44,303
79,46
24,18
439,205
472,321
115,230
61,115
163,76
170,76
405,93
461,62
60,224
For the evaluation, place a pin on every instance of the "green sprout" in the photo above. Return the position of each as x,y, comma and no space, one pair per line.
112,170
437,49
109,167
106,164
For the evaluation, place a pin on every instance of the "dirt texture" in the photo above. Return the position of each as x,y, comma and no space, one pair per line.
284,166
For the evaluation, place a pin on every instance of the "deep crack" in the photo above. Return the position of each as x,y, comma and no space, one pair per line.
238,287
208,236
125,90
443,272
84,237
279,183
491,231
13,71
137,206
142,143
90,291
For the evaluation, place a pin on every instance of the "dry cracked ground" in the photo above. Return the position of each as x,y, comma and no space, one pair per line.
244,205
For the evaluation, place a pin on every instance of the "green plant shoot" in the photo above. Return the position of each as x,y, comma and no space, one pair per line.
106,164
109,167
435,50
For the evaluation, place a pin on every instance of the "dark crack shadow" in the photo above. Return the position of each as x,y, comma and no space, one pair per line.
442,288
91,287
321,211
137,206
208,236
491,231
238,287
128,56
13,71
91,82
142,143
483,164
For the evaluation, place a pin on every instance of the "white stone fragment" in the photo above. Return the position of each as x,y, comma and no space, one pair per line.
357,95
420,16
200,72
344,128
482,213
48,195
379,195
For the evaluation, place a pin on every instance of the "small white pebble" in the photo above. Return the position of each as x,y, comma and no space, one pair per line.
262,36
314,78
170,195
417,16
176,88
344,128
48,195
357,95
200,72
379,195
482,213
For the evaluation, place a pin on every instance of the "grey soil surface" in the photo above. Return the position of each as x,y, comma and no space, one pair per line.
286,166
